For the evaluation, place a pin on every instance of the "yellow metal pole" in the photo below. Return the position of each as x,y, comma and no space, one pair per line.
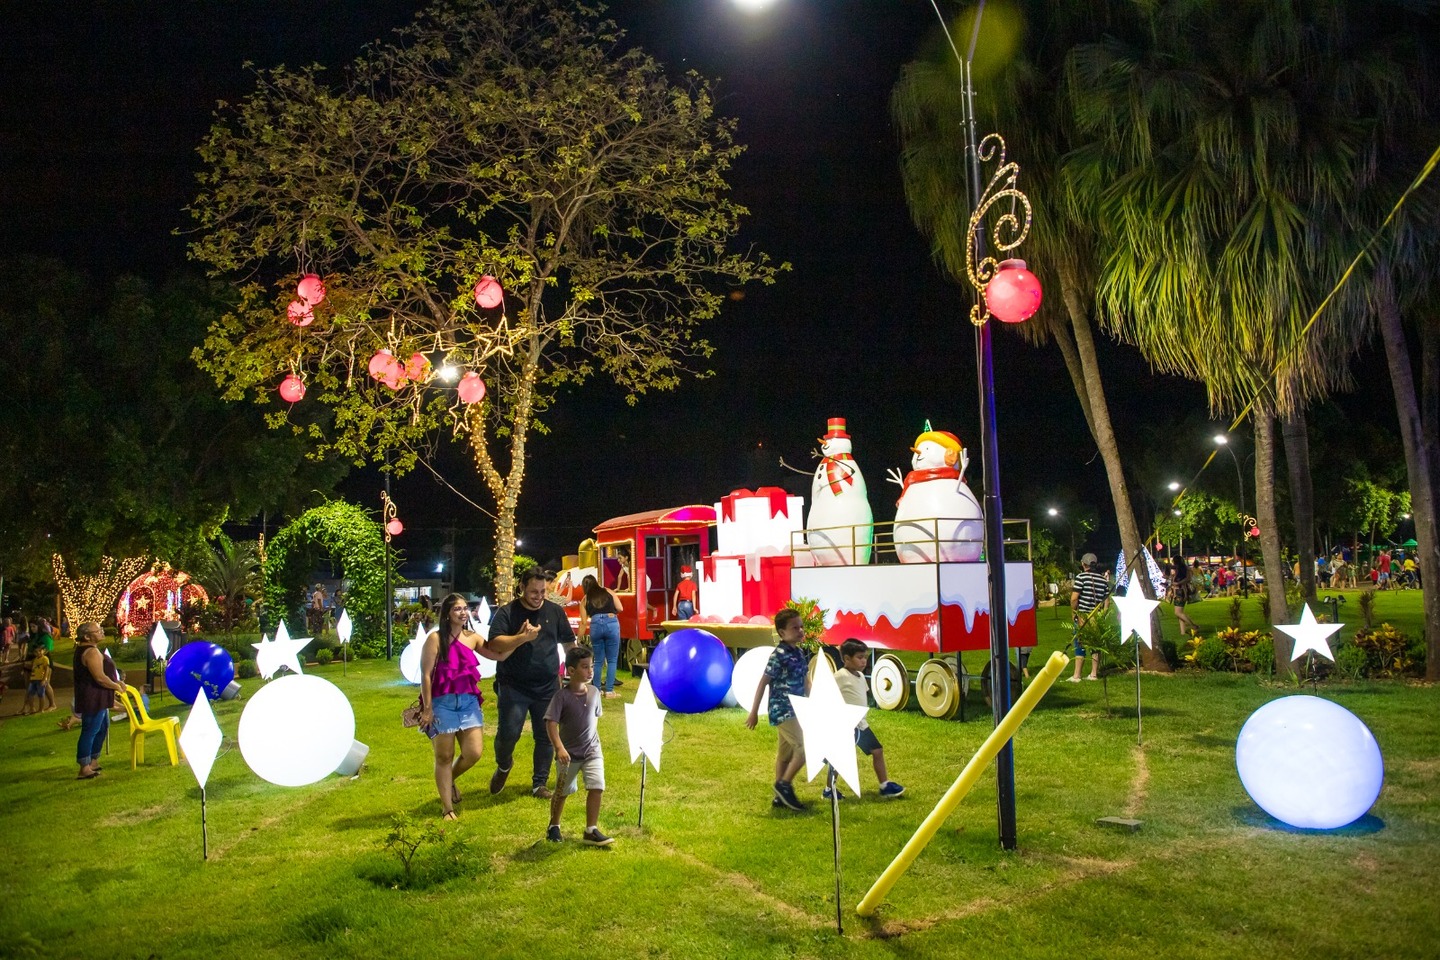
997,739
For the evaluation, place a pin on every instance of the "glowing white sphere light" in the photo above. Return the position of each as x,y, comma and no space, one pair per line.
410,656
746,678
1309,762
296,730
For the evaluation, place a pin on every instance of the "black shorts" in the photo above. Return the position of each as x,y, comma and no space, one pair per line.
865,740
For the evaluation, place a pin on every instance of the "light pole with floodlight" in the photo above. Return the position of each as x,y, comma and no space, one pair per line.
1247,522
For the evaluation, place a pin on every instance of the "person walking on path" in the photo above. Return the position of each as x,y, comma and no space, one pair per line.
1089,596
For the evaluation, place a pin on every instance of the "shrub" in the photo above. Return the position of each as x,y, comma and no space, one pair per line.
1235,607
246,670
1366,602
814,620
1262,656
1231,649
1350,662
1388,652
1207,653
324,655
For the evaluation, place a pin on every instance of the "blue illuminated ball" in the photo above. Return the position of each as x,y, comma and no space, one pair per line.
199,664
690,671
1309,762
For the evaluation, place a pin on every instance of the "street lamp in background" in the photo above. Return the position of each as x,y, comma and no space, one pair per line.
1055,512
1247,522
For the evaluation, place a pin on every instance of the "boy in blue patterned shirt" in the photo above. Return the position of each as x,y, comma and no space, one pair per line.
787,673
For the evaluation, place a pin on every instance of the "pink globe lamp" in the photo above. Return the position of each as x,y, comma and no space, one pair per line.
300,313
471,388
292,389
1013,294
311,289
488,293
395,527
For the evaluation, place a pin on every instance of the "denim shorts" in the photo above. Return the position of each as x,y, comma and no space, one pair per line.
36,688
455,712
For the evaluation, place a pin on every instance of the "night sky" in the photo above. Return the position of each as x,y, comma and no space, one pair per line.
102,105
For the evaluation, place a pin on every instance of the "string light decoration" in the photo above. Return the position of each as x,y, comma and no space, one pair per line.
1008,231
161,594
88,598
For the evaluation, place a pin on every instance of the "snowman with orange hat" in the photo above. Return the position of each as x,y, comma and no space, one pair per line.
936,507
840,526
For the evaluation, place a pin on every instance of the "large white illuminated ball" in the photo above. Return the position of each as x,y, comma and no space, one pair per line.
410,656
1309,762
296,730
746,677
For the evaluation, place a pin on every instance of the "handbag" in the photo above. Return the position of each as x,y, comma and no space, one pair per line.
410,716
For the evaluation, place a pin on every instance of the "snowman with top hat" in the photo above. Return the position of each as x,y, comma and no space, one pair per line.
937,516
840,526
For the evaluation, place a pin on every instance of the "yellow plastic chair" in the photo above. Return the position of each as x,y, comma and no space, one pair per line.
142,723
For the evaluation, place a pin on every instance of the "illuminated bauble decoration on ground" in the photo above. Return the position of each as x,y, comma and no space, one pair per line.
1013,294
395,527
746,678
471,388
690,671
300,313
488,293
1309,762
410,656
296,730
161,594
292,389
311,289
199,665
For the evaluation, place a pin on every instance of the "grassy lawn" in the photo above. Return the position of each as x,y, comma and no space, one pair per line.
112,867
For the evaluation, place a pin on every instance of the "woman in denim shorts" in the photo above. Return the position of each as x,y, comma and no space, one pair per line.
450,696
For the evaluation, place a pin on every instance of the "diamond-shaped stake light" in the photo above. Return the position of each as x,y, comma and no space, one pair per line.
159,642
200,739
343,629
645,727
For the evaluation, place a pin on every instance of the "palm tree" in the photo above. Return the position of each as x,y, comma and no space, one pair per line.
231,571
1022,100
1226,146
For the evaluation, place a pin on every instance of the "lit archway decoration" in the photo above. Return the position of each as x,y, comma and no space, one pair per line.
162,594
352,539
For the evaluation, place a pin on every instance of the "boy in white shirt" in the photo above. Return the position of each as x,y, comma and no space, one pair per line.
850,678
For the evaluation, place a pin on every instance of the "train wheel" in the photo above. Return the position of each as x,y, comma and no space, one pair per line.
937,689
890,683
635,655
828,655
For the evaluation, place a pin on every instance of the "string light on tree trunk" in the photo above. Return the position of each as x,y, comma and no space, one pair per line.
87,598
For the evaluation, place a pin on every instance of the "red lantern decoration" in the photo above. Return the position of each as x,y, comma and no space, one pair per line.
417,367
471,388
395,527
488,293
1013,294
311,289
385,368
1254,531
300,313
292,389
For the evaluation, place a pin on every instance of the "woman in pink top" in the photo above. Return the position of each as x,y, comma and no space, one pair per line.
450,695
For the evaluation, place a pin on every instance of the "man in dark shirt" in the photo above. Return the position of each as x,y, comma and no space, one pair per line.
1089,596
527,680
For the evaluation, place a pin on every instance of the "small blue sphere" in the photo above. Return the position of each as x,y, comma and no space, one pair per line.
690,671
199,664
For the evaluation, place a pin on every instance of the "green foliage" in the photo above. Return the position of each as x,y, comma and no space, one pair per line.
246,670
324,655
813,617
1365,603
485,574
524,139
1351,662
1390,653
354,541
1232,649
1236,611
1207,653
230,571
448,854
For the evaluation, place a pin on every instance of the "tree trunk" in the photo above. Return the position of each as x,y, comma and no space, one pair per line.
1302,498
1153,658
1270,533
1419,455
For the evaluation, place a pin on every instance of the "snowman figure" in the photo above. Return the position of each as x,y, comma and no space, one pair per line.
840,526
937,516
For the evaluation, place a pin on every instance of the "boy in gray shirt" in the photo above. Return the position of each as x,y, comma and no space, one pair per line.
570,722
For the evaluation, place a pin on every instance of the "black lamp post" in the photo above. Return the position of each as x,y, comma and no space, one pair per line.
1246,521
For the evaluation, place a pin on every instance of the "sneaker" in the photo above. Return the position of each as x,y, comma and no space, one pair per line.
785,793
829,794
891,789
595,838
775,802
552,833
541,792
497,780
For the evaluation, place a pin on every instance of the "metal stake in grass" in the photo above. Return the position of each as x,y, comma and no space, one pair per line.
830,781
343,628
200,739
645,728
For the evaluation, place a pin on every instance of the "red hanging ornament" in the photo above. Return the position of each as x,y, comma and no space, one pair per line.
311,289
1013,294
1254,531
471,388
395,527
292,389
488,293
301,314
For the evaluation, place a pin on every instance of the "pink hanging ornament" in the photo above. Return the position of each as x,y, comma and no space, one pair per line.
1013,294
311,289
292,389
471,388
417,367
488,293
381,363
301,314
395,527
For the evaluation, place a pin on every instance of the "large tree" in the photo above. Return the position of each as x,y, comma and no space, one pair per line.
519,139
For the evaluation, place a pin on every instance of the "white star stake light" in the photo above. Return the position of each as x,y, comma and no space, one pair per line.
283,651
645,725
1309,634
828,725
1135,609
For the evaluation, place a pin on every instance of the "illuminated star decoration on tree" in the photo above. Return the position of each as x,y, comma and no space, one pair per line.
1309,634
645,725
283,651
1135,609
828,724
